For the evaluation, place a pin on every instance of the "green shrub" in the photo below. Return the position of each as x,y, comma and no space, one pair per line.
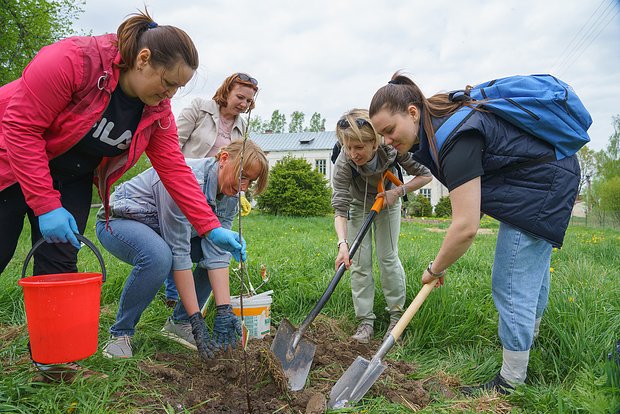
295,189
443,207
419,206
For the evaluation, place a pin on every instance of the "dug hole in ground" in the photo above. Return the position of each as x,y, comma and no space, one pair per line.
219,386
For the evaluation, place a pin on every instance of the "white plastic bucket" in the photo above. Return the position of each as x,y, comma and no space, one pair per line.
256,313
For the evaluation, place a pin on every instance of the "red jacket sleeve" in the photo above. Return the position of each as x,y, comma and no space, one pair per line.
165,155
44,90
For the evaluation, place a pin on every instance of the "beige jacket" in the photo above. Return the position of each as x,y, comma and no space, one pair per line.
197,125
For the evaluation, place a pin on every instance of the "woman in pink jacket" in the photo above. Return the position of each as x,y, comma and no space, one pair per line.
85,109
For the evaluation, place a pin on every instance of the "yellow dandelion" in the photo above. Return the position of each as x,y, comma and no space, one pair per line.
551,270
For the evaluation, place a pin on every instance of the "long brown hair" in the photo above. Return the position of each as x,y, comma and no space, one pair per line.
223,92
168,44
401,91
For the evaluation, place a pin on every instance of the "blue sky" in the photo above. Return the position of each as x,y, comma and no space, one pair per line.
329,56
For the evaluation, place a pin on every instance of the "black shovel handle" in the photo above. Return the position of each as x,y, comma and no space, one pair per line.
81,239
336,279
376,209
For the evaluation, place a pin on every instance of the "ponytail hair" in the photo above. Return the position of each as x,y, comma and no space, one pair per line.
168,44
401,92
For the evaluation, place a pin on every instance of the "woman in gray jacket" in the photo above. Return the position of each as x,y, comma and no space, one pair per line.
148,230
357,172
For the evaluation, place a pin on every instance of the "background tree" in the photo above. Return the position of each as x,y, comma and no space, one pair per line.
317,123
587,163
295,189
27,26
257,125
277,123
297,122
609,191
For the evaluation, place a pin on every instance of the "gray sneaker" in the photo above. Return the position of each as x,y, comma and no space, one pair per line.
364,333
118,347
180,332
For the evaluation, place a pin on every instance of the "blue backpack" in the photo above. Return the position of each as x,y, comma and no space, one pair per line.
541,105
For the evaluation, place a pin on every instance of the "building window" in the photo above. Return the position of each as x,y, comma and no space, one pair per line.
426,192
321,166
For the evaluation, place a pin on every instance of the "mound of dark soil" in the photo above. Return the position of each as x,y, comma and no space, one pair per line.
187,383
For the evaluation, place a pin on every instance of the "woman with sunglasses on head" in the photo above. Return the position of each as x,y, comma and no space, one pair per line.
479,163
85,109
357,172
148,230
208,125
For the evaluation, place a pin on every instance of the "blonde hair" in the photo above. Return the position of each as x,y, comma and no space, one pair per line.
252,155
356,125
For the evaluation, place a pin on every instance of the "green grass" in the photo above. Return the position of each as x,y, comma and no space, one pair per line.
454,334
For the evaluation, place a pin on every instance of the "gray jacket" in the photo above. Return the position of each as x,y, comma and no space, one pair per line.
144,199
348,186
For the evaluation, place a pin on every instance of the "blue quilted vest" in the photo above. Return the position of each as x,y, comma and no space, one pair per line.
523,184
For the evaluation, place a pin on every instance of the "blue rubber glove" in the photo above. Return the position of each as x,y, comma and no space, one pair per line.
226,327
59,226
229,241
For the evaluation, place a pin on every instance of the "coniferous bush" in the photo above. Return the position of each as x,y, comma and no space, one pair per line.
419,206
443,207
295,189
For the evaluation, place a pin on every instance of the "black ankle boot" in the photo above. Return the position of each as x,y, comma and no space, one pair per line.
498,384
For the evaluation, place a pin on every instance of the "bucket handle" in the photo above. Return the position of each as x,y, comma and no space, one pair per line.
81,239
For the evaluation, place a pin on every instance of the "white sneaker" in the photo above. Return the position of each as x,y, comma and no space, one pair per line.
364,333
118,347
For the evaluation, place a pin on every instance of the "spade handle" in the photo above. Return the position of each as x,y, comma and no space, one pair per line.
412,309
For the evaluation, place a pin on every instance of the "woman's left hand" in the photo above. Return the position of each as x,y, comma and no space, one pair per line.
226,327
390,196
427,278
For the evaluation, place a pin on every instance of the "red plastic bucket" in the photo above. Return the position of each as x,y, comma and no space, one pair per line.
62,311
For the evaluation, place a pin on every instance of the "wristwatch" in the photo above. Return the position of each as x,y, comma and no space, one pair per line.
429,270
342,241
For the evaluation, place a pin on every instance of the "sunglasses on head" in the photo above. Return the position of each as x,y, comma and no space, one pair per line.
247,78
343,123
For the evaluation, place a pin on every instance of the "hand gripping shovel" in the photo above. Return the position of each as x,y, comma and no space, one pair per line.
362,374
295,352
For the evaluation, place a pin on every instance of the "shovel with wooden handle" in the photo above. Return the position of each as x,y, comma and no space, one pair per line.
362,374
295,352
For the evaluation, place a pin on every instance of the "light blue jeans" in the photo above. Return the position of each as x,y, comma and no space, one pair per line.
137,244
520,285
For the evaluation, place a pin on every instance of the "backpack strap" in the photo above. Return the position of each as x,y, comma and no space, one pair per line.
449,127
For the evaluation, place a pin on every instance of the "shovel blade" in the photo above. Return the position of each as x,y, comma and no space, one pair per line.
355,382
296,361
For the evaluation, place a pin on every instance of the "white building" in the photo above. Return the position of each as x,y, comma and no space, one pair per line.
316,149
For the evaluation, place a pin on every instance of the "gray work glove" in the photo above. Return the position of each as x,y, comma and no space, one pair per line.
205,345
226,327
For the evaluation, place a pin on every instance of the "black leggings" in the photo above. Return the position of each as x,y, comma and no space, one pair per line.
75,196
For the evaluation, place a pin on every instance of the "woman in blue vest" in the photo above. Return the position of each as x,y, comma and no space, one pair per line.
493,167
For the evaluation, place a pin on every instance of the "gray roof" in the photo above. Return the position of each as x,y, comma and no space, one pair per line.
297,141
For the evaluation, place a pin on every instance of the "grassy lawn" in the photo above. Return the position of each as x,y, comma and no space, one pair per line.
454,335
